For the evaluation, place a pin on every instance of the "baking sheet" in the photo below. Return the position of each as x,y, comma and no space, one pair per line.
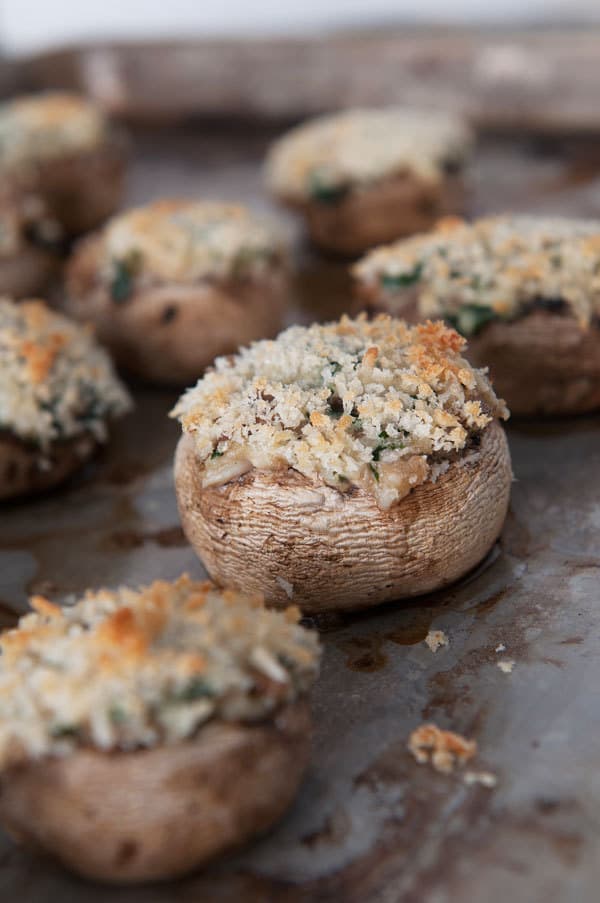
369,823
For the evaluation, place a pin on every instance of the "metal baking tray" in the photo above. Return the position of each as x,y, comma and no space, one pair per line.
370,824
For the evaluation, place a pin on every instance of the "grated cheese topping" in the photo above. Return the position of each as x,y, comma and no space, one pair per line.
187,241
128,668
326,156
375,404
495,268
55,381
39,127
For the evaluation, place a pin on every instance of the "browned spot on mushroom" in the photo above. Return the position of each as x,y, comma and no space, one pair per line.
126,852
169,314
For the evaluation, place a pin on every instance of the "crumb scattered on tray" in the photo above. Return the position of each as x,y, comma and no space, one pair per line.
500,648
435,639
444,749
485,778
506,665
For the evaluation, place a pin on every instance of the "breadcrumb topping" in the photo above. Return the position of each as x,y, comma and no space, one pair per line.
444,749
55,381
128,668
187,241
435,639
44,126
495,268
375,404
324,157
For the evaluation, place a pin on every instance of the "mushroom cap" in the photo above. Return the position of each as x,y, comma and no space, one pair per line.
394,207
25,469
168,333
541,363
157,813
297,539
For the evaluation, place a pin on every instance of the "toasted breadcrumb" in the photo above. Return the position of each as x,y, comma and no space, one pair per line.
330,154
435,639
43,126
187,241
495,268
485,778
56,382
444,749
134,668
370,403
506,665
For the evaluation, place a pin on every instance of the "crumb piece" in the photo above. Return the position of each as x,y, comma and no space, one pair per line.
286,586
485,778
500,648
435,639
444,749
506,665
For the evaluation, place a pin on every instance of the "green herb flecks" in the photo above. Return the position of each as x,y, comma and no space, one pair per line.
63,730
402,280
374,471
216,454
324,191
197,688
124,273
117,714
471,318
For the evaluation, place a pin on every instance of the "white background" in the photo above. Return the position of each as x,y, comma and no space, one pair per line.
27,25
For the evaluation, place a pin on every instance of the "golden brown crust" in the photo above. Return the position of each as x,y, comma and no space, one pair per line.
158,813
82,190
298,540
540,363
25,469
391,208
169,333
28,272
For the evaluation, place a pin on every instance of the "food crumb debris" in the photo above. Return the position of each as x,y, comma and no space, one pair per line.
506,665
286,586
435,639
485,778
443,749
500,648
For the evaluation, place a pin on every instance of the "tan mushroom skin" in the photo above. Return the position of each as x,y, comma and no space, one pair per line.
391,208
542,363
157,813
25,469
298,540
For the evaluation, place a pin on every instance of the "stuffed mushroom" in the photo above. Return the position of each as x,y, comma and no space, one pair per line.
525,290
142,732
343,465
364,177
171,285
61,147
58,391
